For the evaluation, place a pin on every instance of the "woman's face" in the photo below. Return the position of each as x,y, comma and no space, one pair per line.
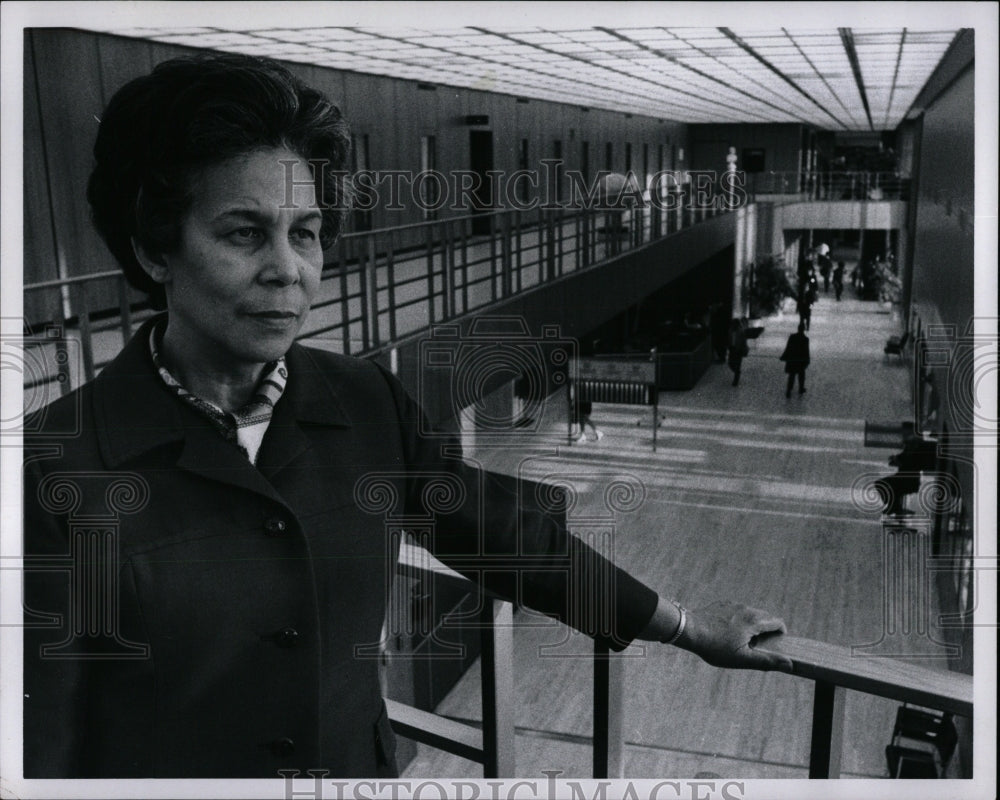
240,284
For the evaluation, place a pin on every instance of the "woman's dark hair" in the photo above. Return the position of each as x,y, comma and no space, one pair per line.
159,131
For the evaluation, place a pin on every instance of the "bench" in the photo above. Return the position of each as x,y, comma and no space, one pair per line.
621,380
896,344
887,434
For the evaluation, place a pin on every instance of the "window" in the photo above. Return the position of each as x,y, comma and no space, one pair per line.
609,157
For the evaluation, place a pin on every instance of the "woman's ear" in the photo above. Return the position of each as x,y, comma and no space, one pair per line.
154,264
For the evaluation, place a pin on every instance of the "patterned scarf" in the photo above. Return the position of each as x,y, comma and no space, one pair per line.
247,425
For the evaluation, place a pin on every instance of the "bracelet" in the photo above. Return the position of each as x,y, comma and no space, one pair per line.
680,625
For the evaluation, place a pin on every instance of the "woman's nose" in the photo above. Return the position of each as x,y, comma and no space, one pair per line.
282,263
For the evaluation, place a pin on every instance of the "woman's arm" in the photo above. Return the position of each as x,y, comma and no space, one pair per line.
722,633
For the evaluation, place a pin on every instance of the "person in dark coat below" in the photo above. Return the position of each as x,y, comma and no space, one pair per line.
738,349
804,307
796,358
825,265
232,490
918,455
838,279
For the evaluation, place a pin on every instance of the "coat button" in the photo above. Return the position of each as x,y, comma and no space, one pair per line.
286,637
275,526
283,746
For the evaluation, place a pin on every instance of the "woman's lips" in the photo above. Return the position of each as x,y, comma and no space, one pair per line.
274,318
272,314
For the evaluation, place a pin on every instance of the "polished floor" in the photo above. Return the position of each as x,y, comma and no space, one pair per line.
752,497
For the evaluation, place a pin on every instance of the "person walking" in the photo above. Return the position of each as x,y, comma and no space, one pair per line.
838,280
738,349
825,265
804,308
796,358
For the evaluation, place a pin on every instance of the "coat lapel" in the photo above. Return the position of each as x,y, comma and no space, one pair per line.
308,400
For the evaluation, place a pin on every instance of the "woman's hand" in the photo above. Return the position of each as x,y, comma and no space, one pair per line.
724,635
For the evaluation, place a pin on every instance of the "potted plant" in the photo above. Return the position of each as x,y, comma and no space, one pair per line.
890,288
765,287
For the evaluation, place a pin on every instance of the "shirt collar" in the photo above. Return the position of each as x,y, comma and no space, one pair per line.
135,411
245,426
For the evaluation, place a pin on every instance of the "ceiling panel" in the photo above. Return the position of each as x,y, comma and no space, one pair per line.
684,74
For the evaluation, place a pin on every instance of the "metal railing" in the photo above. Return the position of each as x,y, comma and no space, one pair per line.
830,185
833,669
384,286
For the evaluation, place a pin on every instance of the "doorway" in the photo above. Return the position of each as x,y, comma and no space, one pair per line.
481,162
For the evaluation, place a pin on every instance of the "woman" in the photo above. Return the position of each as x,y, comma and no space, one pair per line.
738,349
796,358
242,483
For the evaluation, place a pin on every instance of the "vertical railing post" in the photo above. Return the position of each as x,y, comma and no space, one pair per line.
370,278
124,309
464,233
550,245
506,262
497,665
65,364
390,284
827,731
430,273
345,306
79,296
609,693
518,248
557,229
448,265
493,258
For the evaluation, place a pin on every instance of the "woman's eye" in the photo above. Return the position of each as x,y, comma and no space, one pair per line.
305,234
247,234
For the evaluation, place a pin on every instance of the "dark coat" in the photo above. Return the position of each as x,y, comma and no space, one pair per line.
796,355
738,348
251,599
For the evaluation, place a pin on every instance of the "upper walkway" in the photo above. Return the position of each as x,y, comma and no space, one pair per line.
383,287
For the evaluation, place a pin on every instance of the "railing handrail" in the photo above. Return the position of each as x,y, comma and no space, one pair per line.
834,669
883,676
812,659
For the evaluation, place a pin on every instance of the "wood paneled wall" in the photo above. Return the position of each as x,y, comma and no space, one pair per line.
70,75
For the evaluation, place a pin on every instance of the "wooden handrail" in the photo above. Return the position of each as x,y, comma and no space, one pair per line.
885,677
433,729
834,668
